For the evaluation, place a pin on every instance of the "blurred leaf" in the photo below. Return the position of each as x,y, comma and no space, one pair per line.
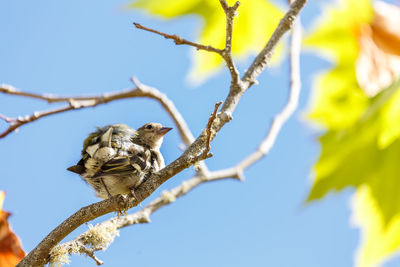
337,100
2,196
378,62
337,29
353,156
255,22
378,241
11,251
361,147
385,27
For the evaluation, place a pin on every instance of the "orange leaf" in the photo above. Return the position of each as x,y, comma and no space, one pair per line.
378,63
385,27
11,251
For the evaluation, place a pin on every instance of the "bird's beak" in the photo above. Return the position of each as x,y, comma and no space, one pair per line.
164,130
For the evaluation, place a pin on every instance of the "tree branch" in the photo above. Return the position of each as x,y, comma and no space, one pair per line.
75,103
261,61
179,40
39,255
230,12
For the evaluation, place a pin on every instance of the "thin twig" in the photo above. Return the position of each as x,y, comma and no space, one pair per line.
230,12
205,154
179,40
50,98
209,124
7,119
90,253
16,123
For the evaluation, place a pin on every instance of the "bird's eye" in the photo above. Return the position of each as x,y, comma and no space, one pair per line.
149,127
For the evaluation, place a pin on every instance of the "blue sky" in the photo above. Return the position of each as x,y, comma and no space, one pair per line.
85,47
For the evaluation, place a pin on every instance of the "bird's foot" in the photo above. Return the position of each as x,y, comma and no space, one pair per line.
106,188
121,213
134,195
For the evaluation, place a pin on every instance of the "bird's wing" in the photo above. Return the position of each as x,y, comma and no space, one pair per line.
139,162
117,165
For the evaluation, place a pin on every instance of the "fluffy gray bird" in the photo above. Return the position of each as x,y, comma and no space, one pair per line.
116,159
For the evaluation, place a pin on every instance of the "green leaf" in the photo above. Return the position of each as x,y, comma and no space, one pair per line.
390,126
353,156
255,22
361,145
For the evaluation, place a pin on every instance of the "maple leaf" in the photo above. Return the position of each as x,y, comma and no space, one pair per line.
358,102
355,156
11,251
378,62
255,22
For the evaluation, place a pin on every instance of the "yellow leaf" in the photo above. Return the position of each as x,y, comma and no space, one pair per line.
337,100
169,9
255,22
378,241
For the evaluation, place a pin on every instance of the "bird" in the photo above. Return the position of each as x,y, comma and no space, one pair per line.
116,159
